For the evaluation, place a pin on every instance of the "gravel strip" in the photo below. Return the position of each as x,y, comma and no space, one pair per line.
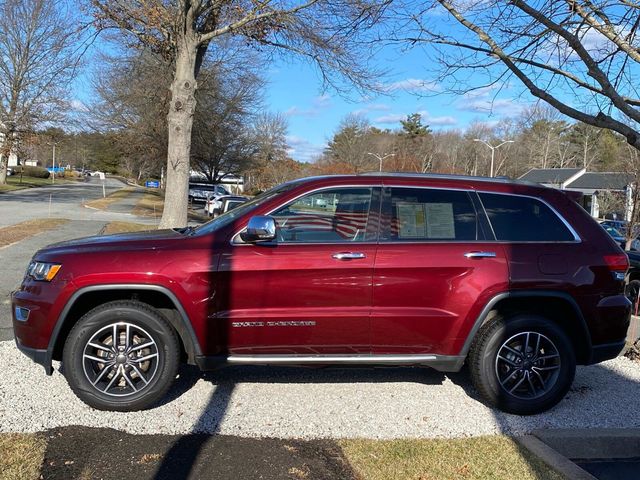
317,403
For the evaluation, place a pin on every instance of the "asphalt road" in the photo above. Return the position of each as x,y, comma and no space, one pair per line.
56,201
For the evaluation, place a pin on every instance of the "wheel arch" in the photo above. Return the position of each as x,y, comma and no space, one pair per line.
157,296
560,308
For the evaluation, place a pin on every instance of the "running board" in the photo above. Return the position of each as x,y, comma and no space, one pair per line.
443,363
330,359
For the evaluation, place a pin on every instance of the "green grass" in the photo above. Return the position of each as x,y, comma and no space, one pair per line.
13,182
486,458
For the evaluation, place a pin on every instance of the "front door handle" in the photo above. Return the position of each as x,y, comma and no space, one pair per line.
348,255
480,254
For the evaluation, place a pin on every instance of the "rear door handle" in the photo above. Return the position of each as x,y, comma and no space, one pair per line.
480,254
348,255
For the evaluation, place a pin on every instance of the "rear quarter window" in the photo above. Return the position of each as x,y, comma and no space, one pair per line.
524,219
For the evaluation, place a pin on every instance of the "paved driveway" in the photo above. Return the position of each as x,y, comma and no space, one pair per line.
57,201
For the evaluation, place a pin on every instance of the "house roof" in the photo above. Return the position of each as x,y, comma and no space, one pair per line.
550,175
602,181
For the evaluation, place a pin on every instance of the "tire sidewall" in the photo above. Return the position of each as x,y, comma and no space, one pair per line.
507,329
101,317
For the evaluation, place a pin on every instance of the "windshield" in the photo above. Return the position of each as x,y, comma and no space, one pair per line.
612,231
228,217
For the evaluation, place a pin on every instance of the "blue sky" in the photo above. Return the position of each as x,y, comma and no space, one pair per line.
295,90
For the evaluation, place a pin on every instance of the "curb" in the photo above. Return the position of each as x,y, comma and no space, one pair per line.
555,460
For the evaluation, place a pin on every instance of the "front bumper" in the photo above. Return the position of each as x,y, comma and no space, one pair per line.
41,357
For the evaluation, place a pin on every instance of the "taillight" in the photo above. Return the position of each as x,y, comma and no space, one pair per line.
618,265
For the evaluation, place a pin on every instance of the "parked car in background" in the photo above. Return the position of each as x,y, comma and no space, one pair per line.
619,235
632,289
231,202
200,192
515,280
9,171
616,235
219,204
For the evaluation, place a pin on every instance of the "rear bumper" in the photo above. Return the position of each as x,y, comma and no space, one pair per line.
607,351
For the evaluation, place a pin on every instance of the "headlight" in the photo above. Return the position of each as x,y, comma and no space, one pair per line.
43,271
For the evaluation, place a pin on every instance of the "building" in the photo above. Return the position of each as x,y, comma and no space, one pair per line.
592,185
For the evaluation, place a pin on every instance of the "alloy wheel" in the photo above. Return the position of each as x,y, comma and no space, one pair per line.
527,365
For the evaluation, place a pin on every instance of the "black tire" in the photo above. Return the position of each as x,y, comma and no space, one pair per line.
551,368
144,361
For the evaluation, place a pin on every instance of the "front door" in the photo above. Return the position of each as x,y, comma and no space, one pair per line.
309,292
435,269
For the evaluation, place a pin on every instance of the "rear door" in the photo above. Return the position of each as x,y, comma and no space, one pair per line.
310,291
437,266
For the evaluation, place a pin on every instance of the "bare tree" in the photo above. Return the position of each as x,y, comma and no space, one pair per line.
38,58
352,143
269,139
322,31
552,47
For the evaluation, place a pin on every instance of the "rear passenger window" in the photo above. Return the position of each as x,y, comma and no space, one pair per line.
523,219
431,214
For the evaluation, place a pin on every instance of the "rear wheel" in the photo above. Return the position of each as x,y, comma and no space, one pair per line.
122,355
524,364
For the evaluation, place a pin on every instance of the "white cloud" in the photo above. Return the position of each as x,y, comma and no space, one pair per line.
391,118
317,105
303,150
427,119
412,85
507,106
441,121
372,107
78,105
322,101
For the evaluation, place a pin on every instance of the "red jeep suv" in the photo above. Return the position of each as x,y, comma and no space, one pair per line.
514,279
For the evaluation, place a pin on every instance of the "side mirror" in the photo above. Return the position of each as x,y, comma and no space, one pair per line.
260,228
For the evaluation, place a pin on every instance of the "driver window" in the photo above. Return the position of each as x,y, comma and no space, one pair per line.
327,216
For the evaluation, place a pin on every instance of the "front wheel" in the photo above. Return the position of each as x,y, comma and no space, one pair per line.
523,365
121,356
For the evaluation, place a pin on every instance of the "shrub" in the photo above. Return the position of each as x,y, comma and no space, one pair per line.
37,172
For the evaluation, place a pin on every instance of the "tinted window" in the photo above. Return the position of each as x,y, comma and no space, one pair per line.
328,216
430,214
523,219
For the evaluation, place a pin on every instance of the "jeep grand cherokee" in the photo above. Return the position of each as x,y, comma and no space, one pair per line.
514,279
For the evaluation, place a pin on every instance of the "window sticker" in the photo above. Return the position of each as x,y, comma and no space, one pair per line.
440,220
411,220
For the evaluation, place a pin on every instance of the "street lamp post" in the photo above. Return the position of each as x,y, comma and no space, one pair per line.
53,171
493,150
381,157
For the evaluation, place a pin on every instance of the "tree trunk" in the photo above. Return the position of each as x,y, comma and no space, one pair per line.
180,122
4,161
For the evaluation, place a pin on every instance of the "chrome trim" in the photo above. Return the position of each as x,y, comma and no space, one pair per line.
480,254
362,359
576,237
261,228
348,255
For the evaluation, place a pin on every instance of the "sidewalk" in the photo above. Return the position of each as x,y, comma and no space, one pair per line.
15,258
